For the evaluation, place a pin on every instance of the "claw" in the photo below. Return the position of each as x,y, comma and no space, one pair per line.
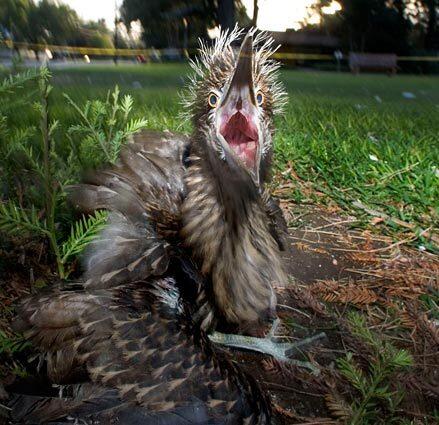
279,350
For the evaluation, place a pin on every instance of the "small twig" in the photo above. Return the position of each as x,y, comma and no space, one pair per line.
381,276
299,216
382,249
303,240
279,409
287,388
401,171
329,422
336,223
294,309
415,414
375,213
353,236
5,407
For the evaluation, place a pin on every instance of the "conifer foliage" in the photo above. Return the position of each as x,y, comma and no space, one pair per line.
39,162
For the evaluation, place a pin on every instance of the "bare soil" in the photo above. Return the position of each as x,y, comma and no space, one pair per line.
334,269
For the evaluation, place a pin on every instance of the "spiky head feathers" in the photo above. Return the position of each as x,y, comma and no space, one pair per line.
215,64
233,96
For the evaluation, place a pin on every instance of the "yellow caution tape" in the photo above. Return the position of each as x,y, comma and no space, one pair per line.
98,51
419,58
302,56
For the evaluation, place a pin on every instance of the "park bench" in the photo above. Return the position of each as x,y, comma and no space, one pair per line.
373,62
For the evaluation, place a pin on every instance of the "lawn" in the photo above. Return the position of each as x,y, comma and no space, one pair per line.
357,173
369,137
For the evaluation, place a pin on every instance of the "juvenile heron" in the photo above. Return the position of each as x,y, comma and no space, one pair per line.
191,247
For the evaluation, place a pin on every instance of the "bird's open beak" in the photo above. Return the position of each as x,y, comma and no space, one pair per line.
237,116
241,83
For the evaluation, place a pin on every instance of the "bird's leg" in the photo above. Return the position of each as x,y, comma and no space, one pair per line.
279,350
273,329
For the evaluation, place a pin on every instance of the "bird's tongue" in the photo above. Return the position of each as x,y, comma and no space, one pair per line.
242,136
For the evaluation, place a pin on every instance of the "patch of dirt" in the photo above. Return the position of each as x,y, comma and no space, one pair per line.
335,268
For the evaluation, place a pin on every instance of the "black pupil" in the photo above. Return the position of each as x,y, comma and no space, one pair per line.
213,99
259,98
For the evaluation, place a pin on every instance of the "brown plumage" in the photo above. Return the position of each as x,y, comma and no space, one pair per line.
144,362
229,233
192,243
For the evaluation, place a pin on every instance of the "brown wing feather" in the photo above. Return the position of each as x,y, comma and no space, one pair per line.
277,224
141,353
125,329
143,191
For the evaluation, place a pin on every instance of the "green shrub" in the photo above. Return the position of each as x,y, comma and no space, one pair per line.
373,385
37,167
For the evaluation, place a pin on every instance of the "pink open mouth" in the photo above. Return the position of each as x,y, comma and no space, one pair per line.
242,136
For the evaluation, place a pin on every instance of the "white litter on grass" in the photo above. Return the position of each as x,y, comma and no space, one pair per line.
137,85
435,171
372,138
408,95
378,99
359,106
422,248
373,157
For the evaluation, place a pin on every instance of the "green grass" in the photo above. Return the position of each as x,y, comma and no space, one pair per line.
353,137
353,146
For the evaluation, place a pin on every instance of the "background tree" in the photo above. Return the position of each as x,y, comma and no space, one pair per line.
14,15
94,34
368,25
226,14
255,13
49,22
426,17
166,23
432,35
57,23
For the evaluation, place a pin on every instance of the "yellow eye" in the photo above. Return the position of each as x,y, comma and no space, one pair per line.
213,100
260,98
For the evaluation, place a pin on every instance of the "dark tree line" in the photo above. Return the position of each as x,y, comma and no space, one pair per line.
429,19
399,26
50,22
170,23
